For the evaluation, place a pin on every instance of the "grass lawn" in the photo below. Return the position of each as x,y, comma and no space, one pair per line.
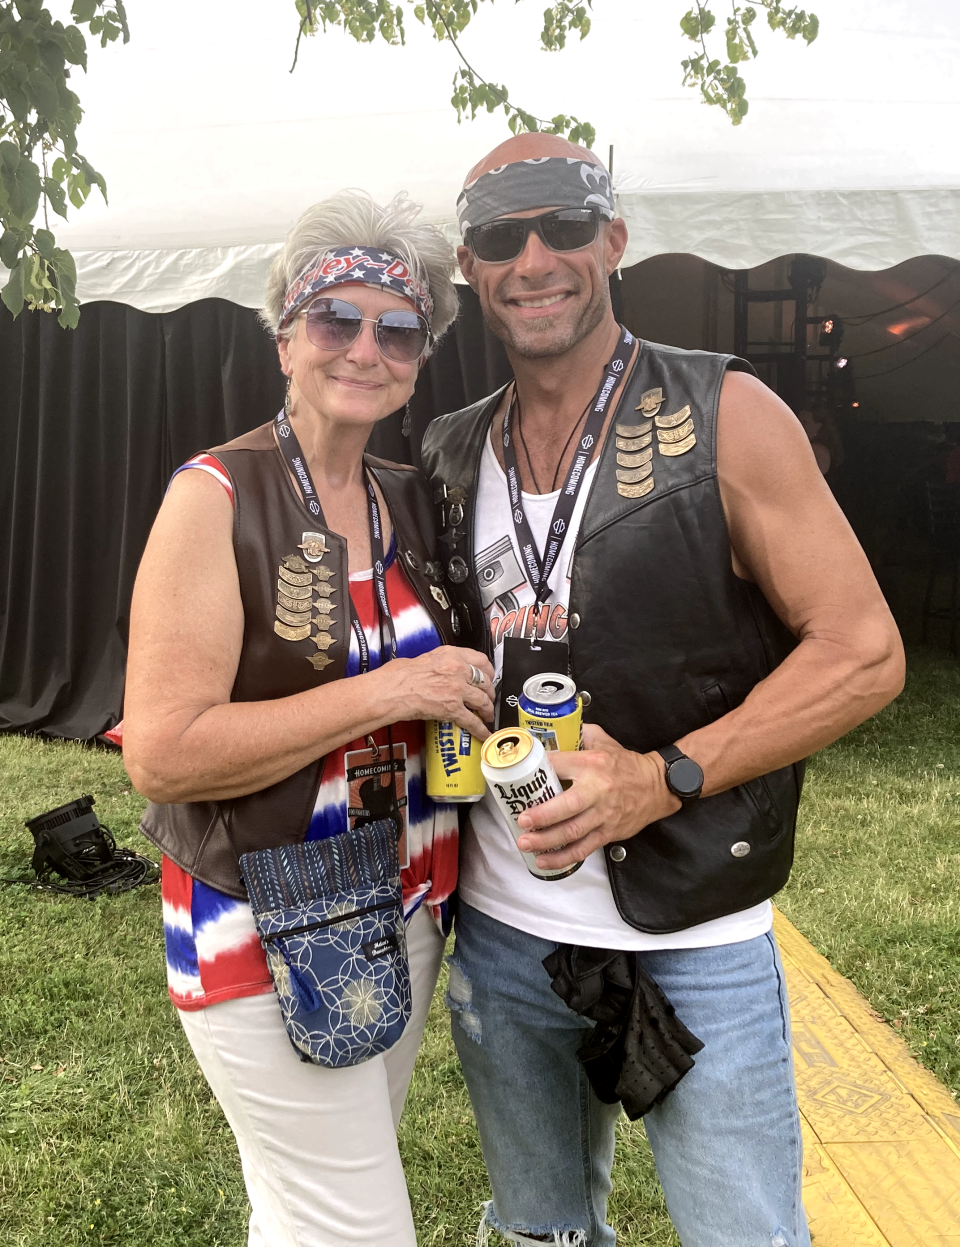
108,1134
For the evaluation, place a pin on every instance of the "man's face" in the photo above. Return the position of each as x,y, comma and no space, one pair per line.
544,302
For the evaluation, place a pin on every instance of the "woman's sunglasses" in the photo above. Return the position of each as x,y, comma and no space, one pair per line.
564,229
332,324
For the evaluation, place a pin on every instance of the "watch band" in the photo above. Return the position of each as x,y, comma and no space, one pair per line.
673,756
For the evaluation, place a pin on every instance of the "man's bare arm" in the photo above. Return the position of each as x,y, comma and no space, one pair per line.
790,537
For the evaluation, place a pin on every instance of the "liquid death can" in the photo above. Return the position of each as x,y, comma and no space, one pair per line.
550,710
519,775
453,764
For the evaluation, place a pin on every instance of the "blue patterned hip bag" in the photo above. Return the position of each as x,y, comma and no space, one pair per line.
330,917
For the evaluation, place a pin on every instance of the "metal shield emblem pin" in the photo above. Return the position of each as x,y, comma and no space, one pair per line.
314,547
319,661
323,640
650,401
439,597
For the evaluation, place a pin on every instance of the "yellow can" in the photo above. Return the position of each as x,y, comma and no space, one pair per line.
453,764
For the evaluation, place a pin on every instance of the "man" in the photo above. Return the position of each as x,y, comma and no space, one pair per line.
722,623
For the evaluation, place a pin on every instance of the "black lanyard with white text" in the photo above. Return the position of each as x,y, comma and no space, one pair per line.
290,448
539,570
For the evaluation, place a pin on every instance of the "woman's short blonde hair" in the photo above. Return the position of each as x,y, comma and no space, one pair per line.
353,219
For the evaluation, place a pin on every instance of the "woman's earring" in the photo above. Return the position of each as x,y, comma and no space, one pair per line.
287,405
405,427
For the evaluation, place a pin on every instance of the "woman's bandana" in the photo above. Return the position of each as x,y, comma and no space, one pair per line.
367,265
548,182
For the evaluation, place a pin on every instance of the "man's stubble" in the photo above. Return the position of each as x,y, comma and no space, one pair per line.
546,337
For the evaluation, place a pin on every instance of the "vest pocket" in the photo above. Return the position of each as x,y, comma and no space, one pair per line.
757,791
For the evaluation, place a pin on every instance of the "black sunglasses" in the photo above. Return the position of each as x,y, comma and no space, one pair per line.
332,324
564,229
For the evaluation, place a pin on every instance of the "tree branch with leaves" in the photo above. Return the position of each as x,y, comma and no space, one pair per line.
40,163
718,80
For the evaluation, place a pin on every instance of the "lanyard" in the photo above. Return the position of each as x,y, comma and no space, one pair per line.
290,447
539,570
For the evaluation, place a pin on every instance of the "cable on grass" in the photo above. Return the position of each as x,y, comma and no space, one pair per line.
76,855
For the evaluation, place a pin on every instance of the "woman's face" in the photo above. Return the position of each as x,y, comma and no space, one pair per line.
359,384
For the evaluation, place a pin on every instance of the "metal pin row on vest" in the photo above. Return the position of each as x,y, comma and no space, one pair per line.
675,436
297,582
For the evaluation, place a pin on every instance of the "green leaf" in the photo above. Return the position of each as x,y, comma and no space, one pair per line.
56,196
46,243
69,316
12,293
10,247
44,92
84,10
22,187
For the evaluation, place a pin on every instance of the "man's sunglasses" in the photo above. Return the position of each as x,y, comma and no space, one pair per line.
564,229
332,324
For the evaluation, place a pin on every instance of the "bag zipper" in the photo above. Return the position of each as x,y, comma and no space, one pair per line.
330,922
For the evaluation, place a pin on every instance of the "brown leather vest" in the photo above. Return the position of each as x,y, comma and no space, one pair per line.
270,527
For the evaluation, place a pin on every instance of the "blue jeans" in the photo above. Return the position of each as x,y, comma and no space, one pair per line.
726,1141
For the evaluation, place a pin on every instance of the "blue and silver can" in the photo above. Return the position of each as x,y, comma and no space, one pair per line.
550,709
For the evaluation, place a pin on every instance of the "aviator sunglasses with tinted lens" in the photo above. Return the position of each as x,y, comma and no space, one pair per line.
332,324
564,229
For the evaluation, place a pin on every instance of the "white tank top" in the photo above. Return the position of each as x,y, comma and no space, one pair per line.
493,878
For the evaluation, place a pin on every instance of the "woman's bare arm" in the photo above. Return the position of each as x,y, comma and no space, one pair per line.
184,740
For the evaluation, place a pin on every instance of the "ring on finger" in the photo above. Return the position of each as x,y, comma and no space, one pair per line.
476,675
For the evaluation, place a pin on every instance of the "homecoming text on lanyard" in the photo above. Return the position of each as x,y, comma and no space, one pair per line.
290,446
539,569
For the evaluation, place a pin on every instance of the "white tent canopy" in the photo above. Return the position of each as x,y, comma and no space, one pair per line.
211,149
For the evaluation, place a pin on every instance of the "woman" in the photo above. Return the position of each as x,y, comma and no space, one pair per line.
252,723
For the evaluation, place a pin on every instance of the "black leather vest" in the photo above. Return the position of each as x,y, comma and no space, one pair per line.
663,635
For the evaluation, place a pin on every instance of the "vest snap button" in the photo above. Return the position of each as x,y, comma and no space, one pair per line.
456,514
574,620
618,853
740,849
585,700
412,560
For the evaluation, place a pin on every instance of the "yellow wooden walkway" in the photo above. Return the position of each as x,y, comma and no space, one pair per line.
881,1134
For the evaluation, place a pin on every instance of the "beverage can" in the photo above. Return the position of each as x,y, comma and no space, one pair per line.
550,709
520,775
453,764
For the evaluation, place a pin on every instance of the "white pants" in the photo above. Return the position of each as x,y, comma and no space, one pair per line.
318,1146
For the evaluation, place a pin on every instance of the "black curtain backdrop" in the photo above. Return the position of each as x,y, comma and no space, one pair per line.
93,421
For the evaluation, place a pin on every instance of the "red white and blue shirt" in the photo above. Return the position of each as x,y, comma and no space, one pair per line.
213,950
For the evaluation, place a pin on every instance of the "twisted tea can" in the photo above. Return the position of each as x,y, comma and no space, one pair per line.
550,710
520,775
453,764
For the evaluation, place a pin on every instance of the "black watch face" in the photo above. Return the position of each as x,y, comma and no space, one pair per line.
686,777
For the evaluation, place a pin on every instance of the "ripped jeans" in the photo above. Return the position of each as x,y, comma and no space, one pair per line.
726,1141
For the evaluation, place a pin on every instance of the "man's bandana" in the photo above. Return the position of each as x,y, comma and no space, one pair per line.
548,182
368,265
